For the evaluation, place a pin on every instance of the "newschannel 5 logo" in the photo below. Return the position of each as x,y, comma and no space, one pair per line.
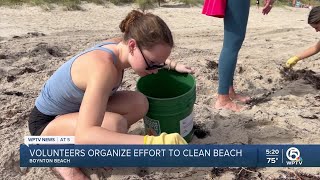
294,157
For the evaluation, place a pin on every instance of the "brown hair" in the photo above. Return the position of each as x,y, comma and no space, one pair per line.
314,15
147,29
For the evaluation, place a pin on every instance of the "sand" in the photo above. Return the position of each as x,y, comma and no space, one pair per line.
34,42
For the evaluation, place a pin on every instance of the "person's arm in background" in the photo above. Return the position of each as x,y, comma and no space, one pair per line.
267,6
305,54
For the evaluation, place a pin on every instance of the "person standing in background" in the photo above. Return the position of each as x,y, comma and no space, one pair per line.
235,25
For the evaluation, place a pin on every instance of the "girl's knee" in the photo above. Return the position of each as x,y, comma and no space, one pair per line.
115,122
122,126
142,104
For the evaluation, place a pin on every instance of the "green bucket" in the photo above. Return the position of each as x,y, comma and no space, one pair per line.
171,97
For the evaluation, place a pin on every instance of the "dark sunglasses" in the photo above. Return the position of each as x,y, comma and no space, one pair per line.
153,66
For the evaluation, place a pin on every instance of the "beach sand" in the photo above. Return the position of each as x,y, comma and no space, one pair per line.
35,42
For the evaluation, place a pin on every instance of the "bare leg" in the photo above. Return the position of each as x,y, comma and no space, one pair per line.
234,96
70,173
133,106
127,108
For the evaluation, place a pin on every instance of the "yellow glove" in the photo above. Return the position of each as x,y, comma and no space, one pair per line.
164,138
292,61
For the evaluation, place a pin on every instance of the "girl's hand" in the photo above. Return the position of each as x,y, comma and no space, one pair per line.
183,68
292,61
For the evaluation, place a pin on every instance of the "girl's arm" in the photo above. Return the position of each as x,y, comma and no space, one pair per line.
99,86
310,51
93,109
305,54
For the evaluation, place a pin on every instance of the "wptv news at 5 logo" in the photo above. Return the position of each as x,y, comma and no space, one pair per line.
293,155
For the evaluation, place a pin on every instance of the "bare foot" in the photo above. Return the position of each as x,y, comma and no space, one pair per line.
70,173
240,98
234,96
224,102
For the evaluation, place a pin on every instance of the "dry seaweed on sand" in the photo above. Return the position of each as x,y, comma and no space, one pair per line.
298,175
259,100
307,75
240,173
212,64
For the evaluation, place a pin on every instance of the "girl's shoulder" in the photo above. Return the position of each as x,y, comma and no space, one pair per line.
94,61
114,40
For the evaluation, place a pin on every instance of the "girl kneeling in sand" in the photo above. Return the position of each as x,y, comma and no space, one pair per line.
314,21
80,99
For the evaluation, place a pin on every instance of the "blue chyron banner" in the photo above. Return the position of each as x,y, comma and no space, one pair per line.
210,155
